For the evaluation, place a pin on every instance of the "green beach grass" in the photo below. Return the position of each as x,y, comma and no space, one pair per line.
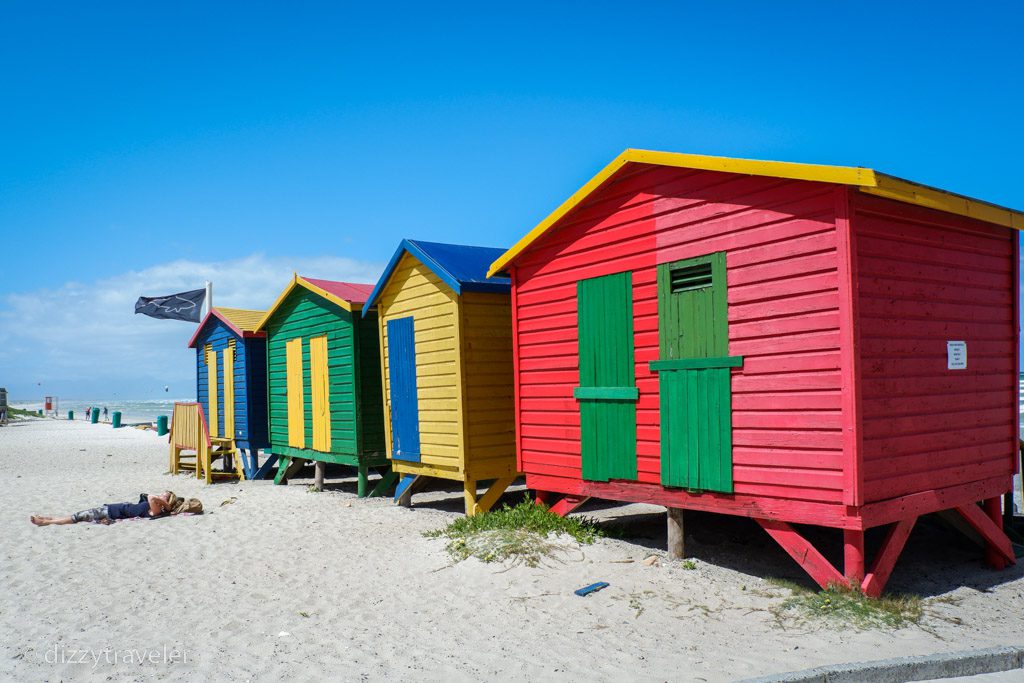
520,534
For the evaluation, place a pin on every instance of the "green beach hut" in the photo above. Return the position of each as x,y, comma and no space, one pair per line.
324,381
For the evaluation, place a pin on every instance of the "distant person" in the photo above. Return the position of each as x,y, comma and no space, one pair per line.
148,506
104,413
88,412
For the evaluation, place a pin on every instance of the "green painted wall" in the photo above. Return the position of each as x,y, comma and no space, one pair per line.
304,314
372,396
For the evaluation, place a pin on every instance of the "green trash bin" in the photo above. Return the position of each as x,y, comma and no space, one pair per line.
115,419
161,425
95,417
71,415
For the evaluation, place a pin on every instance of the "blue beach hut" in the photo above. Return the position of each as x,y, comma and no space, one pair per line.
231,377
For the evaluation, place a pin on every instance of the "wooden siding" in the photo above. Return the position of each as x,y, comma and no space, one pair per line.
251,428
487,381
249,377
371,400
925,278
413,290
783,296
304,314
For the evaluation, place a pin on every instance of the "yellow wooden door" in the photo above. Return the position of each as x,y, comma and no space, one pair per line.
229,389
296,401
211,385
320,380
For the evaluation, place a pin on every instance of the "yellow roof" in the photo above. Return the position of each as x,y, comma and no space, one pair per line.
244,319
865,179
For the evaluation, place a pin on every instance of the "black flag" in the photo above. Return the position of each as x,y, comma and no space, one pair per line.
181,306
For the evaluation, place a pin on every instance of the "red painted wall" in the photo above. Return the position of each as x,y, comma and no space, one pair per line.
924,278
784,313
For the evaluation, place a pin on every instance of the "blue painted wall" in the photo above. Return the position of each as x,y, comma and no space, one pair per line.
250,374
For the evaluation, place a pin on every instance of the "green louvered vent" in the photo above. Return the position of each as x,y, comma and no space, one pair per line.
689,278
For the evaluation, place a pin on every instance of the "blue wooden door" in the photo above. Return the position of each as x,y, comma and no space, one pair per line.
405,412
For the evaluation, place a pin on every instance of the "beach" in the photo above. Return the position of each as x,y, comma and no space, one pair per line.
278,582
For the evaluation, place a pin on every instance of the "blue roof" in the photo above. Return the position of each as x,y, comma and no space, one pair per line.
462,268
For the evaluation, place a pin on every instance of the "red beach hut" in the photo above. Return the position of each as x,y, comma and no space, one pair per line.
798,344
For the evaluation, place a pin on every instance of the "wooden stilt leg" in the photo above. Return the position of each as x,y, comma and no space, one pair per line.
543,498
883,564
318,475
853,556
994,510
676,549
469,493
363,485
805,554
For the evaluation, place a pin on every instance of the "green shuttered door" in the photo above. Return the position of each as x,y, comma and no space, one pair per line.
694,374
607,393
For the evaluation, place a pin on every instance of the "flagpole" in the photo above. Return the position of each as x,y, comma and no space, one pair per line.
209,297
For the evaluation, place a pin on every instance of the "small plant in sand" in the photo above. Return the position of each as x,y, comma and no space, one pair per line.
689,564
521,534
850,607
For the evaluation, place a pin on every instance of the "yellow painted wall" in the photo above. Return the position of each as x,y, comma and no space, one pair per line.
488,383
414,290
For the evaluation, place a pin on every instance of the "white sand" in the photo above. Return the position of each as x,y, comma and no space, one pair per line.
232,589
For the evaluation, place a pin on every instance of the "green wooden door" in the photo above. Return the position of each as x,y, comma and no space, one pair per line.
607,393
694,371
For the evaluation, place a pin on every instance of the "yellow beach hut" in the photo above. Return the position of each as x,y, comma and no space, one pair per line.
446,345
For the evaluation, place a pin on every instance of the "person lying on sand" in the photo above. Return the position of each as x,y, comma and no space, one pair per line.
148,506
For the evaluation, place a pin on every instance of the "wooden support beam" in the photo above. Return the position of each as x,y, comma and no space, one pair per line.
288,468
1000,550
853,556
386,480
676,545
494,491
567,504
883,564
805,554
405,488
265,468
318,475
284,462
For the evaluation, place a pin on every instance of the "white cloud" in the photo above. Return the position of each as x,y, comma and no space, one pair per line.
83,340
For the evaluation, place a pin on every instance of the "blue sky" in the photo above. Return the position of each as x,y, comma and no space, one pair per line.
152,145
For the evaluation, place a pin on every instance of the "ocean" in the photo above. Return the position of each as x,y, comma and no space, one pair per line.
147,410
132,411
